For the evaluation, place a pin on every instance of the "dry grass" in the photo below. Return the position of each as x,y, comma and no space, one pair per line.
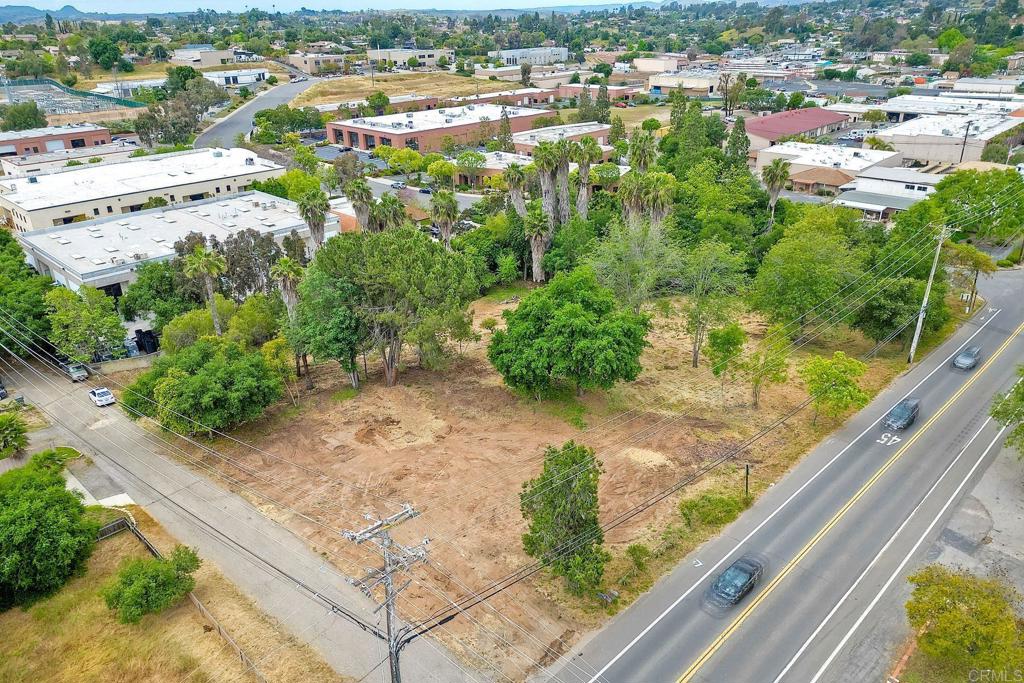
434,83
73,637
632,117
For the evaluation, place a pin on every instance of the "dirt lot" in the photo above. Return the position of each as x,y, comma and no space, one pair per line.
458,445
73,637
435,83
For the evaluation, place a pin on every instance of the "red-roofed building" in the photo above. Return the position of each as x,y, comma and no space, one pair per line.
765,131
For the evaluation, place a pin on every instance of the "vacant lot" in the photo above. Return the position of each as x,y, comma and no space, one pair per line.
632,117
72,637
434,83
458,445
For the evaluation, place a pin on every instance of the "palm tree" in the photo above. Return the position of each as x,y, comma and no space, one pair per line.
774,176
537,231
631,195
658,196
585,153
565,152
387,213
313,207
642,150
545,159
875,142
207,264
361,196
288,273
515,178
444,210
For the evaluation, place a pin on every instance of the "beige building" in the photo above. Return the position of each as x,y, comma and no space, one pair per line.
316,62
824,168
66,158
660,63
199,56
947,139
93,191
692,84
426,57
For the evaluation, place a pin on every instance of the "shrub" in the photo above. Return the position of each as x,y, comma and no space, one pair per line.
489,324
711,509
44,535
151,585
1005,263
638,554
508,268
13,435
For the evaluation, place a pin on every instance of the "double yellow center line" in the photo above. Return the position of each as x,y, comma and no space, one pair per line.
760,597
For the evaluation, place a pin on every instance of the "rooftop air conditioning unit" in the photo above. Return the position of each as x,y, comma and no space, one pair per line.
249,161
448,120
217,154
33,179
255,203
408,115
470,107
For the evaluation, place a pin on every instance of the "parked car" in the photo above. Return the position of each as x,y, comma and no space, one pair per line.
966,359
903,414
426,190
398,185
102,396
620,105
76,372
3,391
738,580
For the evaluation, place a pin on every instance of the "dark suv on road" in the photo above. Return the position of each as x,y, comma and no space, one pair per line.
902,414
966,359
736,581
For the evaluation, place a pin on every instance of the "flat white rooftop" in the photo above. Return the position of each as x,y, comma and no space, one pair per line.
555,133
11,135
392,99
830,156
234,72
74,154
499,161
92,248
469,99
439,118
954,126
933,105
901,175
131,176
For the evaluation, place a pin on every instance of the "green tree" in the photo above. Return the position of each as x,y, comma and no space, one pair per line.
561,507
572,331
618,130
642,150
328,321
515,179
442,171
634,261
966,200
378,102
13,434
444,211
892,304
404,288
737,148
775,176
178,76
469,164
104,52
965,622
876,143
1008,410
207,265
832,383
84,324
359,193
44,534
969,263
524,75
875,116
406,161
807,267
151,585
650,125
22,293
767,364
313,208
711,276
586,153
187,328
256,321
724,349
23,116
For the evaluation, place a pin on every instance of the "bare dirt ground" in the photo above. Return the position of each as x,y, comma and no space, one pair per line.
458,445
434,83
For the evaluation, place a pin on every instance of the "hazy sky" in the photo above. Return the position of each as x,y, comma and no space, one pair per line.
288,5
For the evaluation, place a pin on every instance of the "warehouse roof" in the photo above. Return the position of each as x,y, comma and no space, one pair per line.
794,122
439,118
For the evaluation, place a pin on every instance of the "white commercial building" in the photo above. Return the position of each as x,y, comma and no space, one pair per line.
535,56
947,139
106,253
66,158
237,77
814,168
999,86
427,56
880,192
202,55
121,187
904,107
660,63
227,78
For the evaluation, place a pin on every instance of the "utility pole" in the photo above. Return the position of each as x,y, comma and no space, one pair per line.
396,557
963,147
924,301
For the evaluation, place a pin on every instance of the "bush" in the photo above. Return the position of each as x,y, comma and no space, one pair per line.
508,268
1005,263
711,509
44,535
13,435
152,585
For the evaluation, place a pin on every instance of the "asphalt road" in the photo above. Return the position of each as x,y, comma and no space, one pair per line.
412,195
224,132
227,530
822,87
835,534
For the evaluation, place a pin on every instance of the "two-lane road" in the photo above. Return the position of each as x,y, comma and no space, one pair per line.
835,534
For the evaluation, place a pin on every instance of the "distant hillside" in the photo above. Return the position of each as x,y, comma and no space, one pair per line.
26,14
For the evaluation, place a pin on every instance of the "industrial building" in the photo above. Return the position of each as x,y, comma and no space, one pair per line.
765,131
52,138
106,252
951,138
534,56
824,168
428,56
527,141
427,131
691,83
316,62
881,192
92,191
202,55
43,162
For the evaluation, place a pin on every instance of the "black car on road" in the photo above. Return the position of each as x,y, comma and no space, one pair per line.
902,414
966,359
738,580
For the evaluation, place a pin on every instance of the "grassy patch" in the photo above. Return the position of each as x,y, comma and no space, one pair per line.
344,394
500,293
712,509
436,83
923,669
632,117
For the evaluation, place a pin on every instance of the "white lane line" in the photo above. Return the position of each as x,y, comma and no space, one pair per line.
885,548
714,568
899,570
